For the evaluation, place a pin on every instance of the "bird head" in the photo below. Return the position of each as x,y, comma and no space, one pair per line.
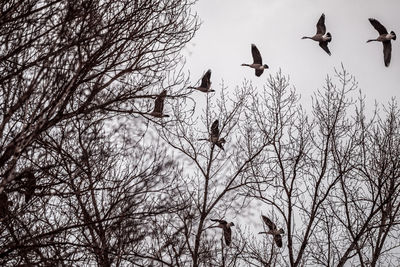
393,34
222,141
231,224
266,66
281,231
329,36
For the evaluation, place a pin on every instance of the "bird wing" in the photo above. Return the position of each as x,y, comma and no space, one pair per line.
30,185
387,52
324,45
205,81
256,54
219,221
259,72
378,26
159,102
228,235
321,29
269,223
214,129
278,240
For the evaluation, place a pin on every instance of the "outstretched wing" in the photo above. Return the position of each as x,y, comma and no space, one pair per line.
3,204
256,54
159,102
387,52
278,240
214,129
228,235
321,29
205,81
219,221
30,186
259,72
269,223
378,26
324,45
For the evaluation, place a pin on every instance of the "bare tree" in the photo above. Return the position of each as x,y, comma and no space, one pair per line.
329,177
61,60
212,173
76,188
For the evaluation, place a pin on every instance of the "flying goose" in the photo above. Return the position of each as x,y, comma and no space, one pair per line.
385,38
29,183
205,83
4,203
320,35
159,106
214,136
257,61
273,231
226,227
30,186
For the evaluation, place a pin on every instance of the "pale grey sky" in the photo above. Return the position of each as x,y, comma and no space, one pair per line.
276,27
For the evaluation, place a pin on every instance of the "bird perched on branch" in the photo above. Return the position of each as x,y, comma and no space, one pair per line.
257,61
273,230
320,36
205,83
385,38
226,227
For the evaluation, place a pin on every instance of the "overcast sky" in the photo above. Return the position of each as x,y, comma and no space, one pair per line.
276,27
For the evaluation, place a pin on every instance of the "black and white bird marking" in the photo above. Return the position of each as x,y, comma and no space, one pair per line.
205,83
257,61
320,36
226,227
273,231
385,38
159,105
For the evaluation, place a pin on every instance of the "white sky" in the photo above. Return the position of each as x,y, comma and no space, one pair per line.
276,27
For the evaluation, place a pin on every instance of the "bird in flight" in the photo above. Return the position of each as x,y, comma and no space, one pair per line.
320,36
257,61
273,230
226,227
159,105
214,137
205,83
385,38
